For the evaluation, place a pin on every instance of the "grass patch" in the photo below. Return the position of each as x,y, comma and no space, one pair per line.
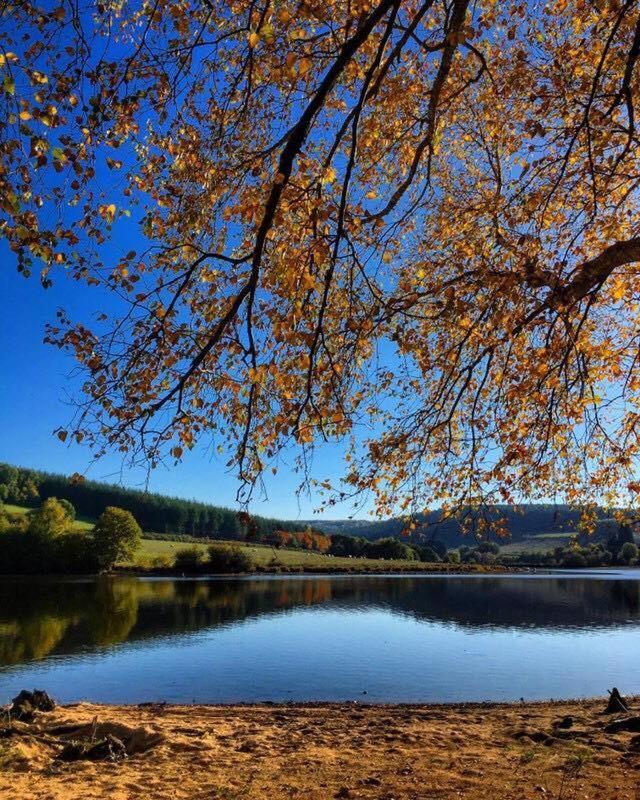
541,543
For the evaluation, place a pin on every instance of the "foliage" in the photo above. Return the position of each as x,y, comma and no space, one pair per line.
488,547
225,558
451,184
69,509
390,548
189,560
427,553
307,540
116,536
343,545
628,553
453,556
17,486
43,543
49,520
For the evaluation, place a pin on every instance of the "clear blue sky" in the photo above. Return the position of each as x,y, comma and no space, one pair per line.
35,393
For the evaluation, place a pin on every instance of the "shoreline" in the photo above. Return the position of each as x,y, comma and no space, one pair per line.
320,750
432,570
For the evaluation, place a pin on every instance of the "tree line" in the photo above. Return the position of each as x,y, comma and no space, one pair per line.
154,512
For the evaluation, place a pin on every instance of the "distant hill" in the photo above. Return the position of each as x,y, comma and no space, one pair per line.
526,521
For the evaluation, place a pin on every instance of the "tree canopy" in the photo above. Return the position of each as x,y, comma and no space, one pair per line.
410,223
116,536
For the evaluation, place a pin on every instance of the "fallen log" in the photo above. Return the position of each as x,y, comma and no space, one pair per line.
625,724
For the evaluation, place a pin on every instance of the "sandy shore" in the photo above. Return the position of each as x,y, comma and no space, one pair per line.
495,752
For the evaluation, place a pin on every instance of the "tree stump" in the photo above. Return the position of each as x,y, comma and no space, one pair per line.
617,704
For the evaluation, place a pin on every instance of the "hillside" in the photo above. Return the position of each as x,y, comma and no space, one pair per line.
556,521
153,511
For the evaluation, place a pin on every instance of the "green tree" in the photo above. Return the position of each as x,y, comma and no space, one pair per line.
116,536
50,520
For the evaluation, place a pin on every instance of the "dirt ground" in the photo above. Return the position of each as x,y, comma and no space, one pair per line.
488,752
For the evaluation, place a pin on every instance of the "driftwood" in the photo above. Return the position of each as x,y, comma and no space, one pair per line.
24,705
617,704
94,740
625,724
134,740
108,749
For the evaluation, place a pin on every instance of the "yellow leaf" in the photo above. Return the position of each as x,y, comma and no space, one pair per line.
267,33
254,39
329,175
39,77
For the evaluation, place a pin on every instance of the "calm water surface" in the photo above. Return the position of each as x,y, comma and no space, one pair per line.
397,638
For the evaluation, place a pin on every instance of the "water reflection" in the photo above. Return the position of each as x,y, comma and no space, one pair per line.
39,618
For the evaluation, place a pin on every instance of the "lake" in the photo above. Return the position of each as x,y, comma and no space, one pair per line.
369,639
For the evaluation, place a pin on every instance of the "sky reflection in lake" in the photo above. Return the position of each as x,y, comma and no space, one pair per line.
397,638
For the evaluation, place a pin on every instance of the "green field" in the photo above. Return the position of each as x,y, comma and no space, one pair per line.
540,543
262,555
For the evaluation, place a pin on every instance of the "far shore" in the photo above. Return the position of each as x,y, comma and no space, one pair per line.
308,571
317,751
171,572
386,568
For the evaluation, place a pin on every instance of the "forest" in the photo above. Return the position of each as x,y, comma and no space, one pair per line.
154,512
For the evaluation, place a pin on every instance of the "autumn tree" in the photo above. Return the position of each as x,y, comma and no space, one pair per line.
50,520
411,223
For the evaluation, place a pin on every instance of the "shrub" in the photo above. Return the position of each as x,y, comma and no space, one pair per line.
24,553
574,558
453,556
229,559
73,553
488,547
628,553
161,561
486,557
189,560
428,554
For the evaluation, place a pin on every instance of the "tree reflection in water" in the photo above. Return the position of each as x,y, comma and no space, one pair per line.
39,617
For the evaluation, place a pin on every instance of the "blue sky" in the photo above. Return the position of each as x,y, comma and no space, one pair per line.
35,394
